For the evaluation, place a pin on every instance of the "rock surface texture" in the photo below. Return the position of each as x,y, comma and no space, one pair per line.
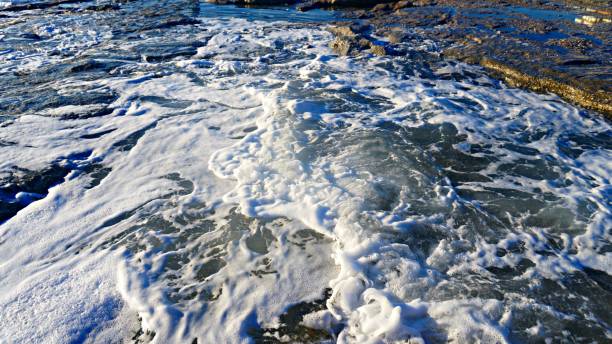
556,46
559,46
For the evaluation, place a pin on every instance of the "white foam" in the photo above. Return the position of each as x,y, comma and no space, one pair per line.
267,136
329,195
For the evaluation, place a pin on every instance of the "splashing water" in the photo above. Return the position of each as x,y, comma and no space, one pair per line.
232,180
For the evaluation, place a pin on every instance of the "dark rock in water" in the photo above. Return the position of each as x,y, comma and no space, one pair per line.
94,110
102,8
403,4
291,324
30,35
357,3
158,56
382,7
170,22
21,186
42,101
344,31
352,30
97,135
167,51
308,5
97,173
579,62
92,64
378,50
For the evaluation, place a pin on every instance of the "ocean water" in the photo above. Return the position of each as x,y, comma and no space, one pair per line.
177,172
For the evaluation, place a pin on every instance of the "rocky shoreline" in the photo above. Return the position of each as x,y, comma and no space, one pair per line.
560,47
556,46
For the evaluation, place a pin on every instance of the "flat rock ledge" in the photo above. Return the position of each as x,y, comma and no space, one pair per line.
554,46
559,47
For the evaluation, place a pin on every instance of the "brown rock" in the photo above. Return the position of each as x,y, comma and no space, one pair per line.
342,46
364,44
422,3
402,4
600,101
396,37
342,31
382,8
378,50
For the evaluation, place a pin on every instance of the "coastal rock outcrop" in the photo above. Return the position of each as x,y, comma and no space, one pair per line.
354,39
559,46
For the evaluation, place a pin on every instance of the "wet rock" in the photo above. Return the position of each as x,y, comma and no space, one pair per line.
425,2
402,4
382,8
354,39
574,43
423,16
47,101
599,100
378,50
341,46
343,31
309,5
396,36
30,35
167,51
345,46
171,22
579,61
91,65
539,41
89,111
292,326
102,8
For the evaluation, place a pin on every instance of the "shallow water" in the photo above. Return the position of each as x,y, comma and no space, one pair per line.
171,173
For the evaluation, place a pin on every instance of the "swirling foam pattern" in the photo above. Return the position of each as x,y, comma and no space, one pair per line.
234,181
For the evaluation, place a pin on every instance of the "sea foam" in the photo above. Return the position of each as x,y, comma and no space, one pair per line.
266,188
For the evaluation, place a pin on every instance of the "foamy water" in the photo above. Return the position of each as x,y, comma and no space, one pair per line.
235,181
